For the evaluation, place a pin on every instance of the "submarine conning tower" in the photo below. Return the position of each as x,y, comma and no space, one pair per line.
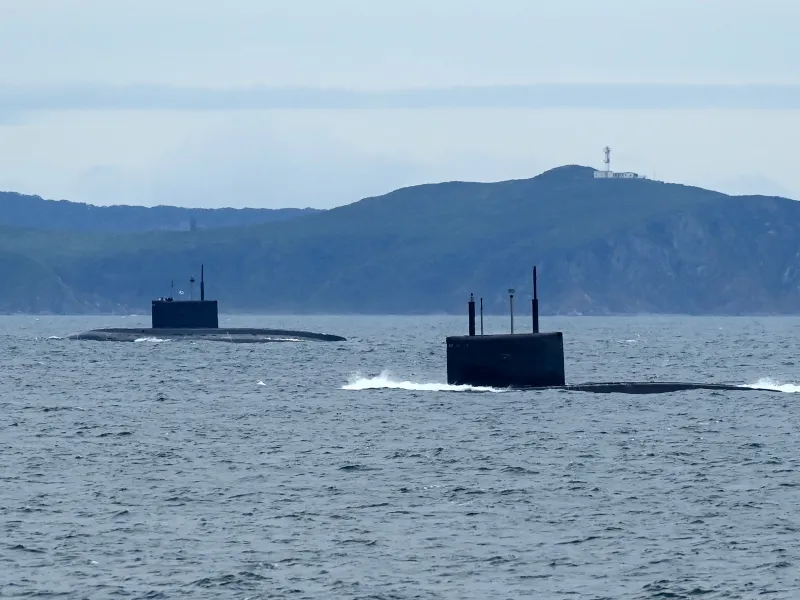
506,360
168,313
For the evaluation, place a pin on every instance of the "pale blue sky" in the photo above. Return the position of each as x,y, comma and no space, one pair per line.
322,102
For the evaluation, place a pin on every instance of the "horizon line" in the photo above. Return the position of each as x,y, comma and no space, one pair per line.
647,96
404,187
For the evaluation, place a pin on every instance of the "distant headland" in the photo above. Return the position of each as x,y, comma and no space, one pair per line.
604,245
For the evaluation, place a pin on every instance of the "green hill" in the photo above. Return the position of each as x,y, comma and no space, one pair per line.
19,210
602,247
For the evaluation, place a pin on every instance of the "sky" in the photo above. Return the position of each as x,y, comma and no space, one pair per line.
273,103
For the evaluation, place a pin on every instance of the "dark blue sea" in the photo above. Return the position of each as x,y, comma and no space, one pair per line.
168,469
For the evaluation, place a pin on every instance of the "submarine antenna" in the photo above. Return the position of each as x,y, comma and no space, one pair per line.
471,305
481,316
202,285
535,305
511,307
171,288
191,287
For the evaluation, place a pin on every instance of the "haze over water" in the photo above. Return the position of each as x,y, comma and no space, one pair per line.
351,470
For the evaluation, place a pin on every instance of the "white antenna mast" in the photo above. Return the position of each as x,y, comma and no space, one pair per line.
607,150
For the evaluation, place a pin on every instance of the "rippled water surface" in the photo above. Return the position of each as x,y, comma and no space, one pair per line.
349,470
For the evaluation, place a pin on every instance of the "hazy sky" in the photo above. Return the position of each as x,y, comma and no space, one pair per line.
322,102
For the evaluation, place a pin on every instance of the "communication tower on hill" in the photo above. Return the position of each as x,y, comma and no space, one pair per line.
609,174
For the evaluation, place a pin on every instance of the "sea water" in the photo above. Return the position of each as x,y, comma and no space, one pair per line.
164,469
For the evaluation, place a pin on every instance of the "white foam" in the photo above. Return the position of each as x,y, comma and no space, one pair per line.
765,383
261,383
153,340
385,381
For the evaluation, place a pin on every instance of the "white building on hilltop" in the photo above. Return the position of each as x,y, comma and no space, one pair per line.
609,174
620,175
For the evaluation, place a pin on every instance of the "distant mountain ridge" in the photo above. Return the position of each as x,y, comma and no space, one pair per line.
34,212
602,247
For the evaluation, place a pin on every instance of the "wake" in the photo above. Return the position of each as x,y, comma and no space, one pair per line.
765,383
385,381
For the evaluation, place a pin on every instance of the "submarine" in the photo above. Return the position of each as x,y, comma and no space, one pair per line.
535,360
197,320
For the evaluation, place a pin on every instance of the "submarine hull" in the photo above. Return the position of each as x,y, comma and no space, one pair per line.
197,320
644,387
211,334
535,361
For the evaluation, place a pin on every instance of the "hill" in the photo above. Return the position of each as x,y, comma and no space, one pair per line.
602,247
19,210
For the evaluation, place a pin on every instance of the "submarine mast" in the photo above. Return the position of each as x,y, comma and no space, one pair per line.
535,305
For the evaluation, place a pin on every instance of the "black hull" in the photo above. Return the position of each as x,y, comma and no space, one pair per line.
230,335
647,387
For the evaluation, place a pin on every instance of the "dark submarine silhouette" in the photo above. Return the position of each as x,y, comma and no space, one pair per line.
536,360
197,320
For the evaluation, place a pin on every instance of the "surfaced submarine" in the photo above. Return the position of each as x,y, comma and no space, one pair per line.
197,320
536,361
